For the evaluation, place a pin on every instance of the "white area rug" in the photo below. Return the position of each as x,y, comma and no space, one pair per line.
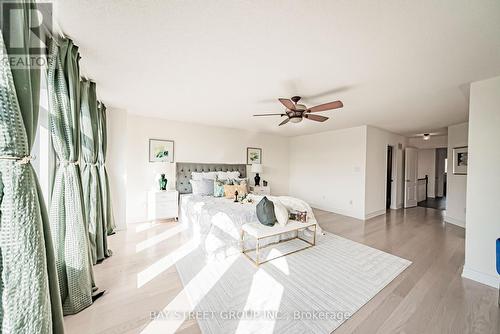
311,291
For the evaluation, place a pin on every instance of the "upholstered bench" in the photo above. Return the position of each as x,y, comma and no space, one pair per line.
259,232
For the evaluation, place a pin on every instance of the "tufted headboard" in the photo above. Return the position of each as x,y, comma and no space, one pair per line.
184,170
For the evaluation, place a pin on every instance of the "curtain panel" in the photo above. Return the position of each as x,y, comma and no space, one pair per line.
29,289
109,220
92,192
68,226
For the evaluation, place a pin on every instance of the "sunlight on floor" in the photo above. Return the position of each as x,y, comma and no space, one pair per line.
166,262
264,297
159,238
189,297
280,263
146,226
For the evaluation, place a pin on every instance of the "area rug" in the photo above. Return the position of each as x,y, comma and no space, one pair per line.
311,291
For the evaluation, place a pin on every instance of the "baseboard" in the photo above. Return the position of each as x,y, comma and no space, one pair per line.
454,221
481,277
337,211
397,207
375,214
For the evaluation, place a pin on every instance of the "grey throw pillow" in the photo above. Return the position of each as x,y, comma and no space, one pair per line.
265,212
202,187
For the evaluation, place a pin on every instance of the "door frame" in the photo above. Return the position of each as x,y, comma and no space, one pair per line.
389,184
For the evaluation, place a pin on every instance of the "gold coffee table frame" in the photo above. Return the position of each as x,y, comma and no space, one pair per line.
258,247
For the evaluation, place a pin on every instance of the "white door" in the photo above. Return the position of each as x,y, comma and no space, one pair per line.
411,177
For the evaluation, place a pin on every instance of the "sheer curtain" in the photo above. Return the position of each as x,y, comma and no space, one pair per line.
68,226
90,173
29,286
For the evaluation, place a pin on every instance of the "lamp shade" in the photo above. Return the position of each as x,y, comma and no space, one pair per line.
257,168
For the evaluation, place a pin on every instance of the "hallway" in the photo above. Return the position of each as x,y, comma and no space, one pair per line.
438,203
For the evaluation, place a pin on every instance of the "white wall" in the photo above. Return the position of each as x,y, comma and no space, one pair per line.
196,143
345,171
377,141
483,184
328,170
427,166
456,184
116,163
433,142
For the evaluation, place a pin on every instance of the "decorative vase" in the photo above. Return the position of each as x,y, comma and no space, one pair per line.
257,179
163,182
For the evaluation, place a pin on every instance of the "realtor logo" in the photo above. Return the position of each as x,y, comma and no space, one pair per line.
26,50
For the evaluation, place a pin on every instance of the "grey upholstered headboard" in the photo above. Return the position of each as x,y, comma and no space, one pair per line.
184,170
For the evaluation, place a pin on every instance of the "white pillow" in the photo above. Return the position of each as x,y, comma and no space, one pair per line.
202,187
196,176
233,175
281,213
209,175
222,175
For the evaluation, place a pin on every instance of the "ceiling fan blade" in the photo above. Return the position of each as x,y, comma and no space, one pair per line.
269,115
317,118
288,103
284,122
326,106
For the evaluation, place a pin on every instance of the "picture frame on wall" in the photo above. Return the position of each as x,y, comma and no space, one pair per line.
161,150
254,155
460,160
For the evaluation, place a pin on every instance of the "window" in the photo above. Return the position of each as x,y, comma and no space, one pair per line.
42,149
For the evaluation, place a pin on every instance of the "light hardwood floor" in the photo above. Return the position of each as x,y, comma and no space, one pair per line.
428,297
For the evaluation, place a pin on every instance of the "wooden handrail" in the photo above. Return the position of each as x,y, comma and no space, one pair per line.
426,179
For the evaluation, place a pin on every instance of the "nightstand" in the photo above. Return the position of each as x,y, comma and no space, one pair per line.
163,204
261,190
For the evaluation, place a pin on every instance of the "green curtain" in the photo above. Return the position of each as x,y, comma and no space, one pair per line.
29,289
90,172
69,230
109,220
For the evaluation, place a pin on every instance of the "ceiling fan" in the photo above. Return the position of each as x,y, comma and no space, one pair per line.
295,112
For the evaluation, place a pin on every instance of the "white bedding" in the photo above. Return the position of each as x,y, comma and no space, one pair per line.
215,223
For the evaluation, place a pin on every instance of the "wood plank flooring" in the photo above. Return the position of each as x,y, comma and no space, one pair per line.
429,297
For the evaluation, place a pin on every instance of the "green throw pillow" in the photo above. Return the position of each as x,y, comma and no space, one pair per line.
265,212
218,188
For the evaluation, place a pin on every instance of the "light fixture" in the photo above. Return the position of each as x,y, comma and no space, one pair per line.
427,136
295,119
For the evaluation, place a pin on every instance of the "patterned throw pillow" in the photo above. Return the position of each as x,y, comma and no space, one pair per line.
238,181
218,188
230,190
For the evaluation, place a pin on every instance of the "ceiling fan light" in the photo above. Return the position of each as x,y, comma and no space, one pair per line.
427,136
295,119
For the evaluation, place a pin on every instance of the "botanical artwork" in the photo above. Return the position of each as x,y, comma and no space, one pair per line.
161,150
254,155
460,160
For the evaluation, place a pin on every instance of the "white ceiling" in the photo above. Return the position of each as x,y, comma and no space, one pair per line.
404,66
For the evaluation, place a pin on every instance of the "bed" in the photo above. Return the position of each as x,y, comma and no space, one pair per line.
215,223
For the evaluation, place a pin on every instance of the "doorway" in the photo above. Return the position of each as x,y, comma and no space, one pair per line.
435,165
389,179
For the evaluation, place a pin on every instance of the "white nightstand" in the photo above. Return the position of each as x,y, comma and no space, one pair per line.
261,190
163,204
